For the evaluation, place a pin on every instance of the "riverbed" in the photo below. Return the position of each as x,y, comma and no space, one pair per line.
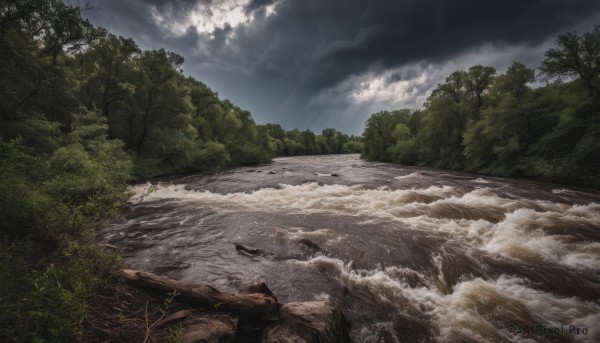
409,254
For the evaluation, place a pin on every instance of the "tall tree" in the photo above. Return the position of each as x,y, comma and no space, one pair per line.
107,69
515,81
576,56
478,80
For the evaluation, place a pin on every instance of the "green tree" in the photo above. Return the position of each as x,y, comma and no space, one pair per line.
478,80
308,140
404,151
576,56
353,146
496,143
378,134
329,135
108,77
515,81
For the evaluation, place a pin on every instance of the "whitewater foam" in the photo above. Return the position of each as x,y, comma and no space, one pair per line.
475,309
515,228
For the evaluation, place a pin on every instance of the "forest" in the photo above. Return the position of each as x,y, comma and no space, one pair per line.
82,112
483,122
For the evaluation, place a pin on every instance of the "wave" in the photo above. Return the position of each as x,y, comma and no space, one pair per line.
476,309
530,230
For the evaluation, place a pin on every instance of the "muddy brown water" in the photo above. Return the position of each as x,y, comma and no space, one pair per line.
409,254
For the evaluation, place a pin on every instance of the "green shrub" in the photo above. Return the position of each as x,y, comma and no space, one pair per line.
44,296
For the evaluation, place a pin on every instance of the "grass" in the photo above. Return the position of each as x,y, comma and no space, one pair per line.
43,296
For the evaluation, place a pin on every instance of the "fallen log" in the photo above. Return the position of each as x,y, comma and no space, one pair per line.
258,306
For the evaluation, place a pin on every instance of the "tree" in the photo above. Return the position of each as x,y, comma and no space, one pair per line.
158,98
107,68
576,56
293,147
329,135
353,146
37,39
496,143
307,139
340,140
515,81
478,80
378,134
403,151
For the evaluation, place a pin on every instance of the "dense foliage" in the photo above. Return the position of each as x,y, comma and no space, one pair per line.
81,112
482,122
295,142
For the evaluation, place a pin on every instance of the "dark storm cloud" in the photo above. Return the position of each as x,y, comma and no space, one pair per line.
344,37
257,4
402,76
279,65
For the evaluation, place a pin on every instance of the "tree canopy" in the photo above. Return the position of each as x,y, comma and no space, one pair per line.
483,122
576,56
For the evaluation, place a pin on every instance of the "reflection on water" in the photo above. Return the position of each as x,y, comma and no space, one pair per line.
410,254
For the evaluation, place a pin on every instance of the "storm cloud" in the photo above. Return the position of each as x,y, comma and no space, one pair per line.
315,64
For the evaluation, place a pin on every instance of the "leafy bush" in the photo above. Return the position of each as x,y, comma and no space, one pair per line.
44,296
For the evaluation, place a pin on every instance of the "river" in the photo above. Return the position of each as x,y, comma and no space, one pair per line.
409,254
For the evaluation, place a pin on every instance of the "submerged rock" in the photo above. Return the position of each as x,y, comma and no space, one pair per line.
249,251
308,322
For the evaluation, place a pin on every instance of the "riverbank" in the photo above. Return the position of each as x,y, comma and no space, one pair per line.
157,309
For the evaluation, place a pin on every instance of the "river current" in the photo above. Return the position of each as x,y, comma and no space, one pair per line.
409,254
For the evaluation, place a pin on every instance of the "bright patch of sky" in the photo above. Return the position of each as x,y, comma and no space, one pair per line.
208,16
409,85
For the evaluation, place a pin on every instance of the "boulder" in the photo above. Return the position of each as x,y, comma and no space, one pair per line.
308,322
209,328
259,287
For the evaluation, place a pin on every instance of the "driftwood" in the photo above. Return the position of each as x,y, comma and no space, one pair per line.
257,306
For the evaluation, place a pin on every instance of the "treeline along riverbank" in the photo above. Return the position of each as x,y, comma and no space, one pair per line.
484,122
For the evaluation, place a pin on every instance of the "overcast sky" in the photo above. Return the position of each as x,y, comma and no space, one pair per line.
312,64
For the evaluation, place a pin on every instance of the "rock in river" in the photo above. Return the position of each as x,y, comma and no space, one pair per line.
308,322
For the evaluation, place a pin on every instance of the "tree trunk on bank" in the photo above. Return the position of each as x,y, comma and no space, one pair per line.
256,306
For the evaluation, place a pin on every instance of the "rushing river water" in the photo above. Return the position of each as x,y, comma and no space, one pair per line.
409,254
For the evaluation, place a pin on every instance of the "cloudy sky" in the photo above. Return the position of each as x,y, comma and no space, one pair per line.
312,64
